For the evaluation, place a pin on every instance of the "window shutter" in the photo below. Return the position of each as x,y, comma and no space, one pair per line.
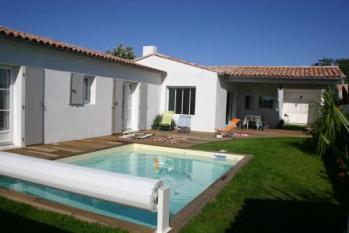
77,89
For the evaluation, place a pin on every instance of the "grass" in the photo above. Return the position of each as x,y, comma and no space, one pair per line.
18,217
284,188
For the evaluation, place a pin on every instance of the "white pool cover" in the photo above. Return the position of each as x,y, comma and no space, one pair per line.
129,190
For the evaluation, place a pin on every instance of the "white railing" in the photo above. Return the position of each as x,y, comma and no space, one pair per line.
139,192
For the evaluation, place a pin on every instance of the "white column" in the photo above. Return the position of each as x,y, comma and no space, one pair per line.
163,218
280,102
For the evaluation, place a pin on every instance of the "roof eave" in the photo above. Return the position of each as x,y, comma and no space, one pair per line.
76,51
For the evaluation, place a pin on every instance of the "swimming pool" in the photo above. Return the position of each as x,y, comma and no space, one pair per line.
187,172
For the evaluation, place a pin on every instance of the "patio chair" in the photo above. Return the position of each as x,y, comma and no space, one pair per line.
166,120
183,124
232,125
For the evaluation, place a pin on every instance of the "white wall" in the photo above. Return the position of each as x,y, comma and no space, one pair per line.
17,102
183,75
153,103
221,103
66,122
19,53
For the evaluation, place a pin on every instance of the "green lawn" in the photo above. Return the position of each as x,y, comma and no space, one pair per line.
284,188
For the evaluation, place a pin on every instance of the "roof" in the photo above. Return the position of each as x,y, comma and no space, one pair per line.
287,72
59,45
174,59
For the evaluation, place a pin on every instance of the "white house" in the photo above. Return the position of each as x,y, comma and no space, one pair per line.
52,91
290,93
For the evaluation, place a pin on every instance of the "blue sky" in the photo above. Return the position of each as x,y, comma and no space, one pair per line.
241,32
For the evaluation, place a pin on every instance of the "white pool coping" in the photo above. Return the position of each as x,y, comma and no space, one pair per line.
231,159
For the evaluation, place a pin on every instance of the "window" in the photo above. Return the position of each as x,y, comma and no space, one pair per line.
81,89
249,102
5,82
88,81
181,100
266,102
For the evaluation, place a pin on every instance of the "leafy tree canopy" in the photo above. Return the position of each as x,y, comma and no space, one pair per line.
343,63
123,51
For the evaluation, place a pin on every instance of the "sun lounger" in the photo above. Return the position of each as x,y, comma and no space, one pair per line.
183,124
232,125
166,120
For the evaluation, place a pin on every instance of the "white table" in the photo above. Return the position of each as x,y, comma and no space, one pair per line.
256,119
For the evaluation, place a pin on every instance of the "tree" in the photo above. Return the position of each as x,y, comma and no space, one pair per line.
343,63
325,61
123,51
330,122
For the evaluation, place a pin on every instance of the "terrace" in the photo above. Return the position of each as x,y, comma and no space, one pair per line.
305,187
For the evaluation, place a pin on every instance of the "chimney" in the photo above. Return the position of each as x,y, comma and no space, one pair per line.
149,49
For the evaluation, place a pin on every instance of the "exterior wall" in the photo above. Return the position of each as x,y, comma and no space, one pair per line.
61,120
19,53
17,103
66,122
153,103
221,103
183,75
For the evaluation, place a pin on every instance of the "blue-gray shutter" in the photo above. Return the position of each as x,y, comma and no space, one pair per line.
77,89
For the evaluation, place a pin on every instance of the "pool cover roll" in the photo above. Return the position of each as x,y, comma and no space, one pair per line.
124,189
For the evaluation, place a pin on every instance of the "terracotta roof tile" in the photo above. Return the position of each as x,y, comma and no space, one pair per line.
290,72
44,41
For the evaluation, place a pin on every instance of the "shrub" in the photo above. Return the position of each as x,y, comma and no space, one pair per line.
157,121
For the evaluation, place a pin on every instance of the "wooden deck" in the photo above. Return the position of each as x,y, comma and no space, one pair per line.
177,140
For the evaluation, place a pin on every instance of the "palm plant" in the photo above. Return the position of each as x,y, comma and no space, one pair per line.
330,121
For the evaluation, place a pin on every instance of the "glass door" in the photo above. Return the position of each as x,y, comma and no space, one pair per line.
5,106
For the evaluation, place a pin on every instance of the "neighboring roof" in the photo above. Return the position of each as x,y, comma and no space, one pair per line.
55,44
290,72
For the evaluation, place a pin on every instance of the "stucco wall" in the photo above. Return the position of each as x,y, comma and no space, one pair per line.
182,75
221,103
17,102
66,122
17,53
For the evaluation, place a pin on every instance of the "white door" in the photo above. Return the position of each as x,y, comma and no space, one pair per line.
34,106
128,90
5,106
299,105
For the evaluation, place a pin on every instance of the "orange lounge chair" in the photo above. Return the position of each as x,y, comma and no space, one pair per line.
232,124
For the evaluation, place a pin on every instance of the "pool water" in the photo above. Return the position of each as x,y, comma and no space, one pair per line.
187,175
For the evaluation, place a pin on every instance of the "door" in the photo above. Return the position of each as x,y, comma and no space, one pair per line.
34,106
299,105
5,106
113,108
229,107
143,106
127,112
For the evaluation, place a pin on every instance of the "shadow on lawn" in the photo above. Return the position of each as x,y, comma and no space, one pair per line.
14,223
307,146
283,216
289,215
